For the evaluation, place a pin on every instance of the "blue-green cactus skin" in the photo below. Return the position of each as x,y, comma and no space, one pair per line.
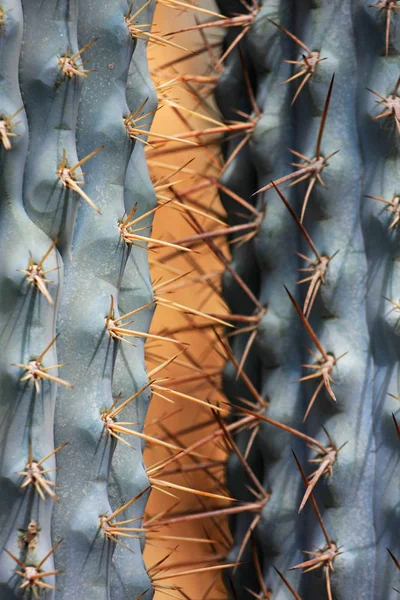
381,178
359,503
97,474
27,326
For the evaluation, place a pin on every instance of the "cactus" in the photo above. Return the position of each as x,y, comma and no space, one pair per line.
73,270
344,152
313,439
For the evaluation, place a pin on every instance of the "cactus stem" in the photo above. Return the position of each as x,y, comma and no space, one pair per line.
388,6
68,178
32,575
69,65
391,103
6,126
35,474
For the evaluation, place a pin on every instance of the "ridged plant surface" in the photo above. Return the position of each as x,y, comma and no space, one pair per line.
355,310
63,262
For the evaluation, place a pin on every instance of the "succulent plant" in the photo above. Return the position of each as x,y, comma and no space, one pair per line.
309,95
74,277
322,81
